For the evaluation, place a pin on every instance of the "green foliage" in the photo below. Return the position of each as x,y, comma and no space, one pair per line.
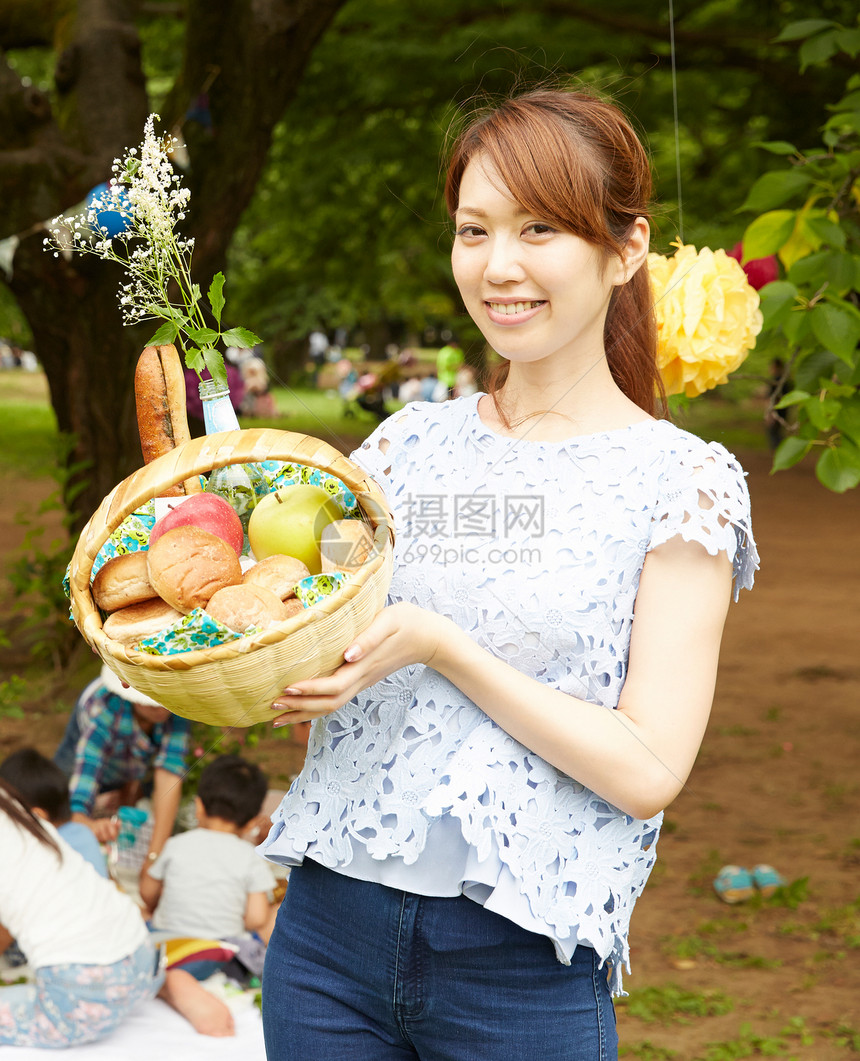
671,1003
753,1044
809,215
348,227
11,694
36,573
646,1051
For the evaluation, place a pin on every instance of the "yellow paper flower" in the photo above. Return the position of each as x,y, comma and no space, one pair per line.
708,317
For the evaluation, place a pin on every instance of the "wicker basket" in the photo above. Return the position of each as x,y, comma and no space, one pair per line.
234,684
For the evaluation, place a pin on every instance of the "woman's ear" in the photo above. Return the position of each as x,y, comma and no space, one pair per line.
635,252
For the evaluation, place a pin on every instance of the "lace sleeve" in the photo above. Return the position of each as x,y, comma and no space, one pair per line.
704,498
374,454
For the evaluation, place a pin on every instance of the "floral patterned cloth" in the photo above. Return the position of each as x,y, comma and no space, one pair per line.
73,1004
535,549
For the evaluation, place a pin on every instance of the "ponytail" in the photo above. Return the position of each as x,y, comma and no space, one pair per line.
14,808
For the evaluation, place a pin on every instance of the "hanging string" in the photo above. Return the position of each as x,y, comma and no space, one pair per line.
677,127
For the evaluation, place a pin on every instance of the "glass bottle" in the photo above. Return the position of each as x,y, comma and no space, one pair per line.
240,484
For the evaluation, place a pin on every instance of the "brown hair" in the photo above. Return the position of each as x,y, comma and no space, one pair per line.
12,805
576,162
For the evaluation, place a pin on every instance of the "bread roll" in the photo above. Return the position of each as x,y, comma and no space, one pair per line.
121,581
239,607
278,573
345,544
162,419
130,625
293,606
188,564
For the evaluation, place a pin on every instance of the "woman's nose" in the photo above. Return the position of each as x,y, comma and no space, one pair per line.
503,261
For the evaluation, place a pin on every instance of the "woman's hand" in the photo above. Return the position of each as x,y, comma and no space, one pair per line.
401,634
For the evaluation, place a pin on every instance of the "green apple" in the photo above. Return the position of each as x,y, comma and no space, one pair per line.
291,521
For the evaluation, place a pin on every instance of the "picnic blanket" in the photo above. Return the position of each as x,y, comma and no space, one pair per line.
154,1030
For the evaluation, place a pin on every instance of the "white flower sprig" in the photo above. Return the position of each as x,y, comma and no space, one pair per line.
149,197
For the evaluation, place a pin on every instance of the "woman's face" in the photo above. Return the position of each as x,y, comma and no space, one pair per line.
534,291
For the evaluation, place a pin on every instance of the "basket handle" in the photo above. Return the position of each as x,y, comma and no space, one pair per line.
202,455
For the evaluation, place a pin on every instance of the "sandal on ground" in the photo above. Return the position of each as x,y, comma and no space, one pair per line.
766,880
734,884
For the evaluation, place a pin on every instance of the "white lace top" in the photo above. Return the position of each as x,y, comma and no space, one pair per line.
535,550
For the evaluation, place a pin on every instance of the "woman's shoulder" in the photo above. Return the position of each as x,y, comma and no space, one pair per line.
685,451
413,423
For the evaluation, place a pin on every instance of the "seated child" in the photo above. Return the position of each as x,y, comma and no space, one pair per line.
45,789
209,882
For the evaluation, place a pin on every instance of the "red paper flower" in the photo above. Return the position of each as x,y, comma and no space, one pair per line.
760,271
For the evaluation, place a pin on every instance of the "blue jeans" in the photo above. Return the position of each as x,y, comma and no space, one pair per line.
358,971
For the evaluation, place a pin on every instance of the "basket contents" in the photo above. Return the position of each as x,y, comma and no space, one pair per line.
159,393
191,662
290,521
186,585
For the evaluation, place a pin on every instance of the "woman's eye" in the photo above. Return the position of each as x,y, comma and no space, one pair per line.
469,230
539,229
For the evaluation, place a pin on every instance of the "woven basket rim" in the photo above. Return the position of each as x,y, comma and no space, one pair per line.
197,457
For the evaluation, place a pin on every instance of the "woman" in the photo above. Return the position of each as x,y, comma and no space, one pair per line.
484,788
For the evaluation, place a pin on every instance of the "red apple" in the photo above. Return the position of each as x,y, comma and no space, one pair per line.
207,511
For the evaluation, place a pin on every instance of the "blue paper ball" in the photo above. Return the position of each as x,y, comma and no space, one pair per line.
111,221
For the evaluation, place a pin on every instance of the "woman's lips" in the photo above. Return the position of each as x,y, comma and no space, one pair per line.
508,313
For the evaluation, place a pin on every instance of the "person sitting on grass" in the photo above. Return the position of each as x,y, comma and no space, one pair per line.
209,882
118,745
92,958
45,789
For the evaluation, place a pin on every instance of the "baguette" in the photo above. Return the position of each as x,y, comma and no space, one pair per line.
162,420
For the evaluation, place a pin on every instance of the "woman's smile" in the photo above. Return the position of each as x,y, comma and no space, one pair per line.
507,313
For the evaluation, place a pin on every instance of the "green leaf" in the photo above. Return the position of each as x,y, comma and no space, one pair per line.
818,49
167,333
815,368
776,302
836,329
838,468
767,233
194,360
773,189
216,295
848,420
792,398
241,337
828,231
776,147
810,271
848,41
795,327
195,294
789,452
842,272
215,363
805,27
204,336
822,412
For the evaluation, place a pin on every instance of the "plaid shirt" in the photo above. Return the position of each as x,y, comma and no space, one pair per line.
113,749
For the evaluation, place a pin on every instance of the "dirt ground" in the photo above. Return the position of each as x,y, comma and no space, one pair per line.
776,782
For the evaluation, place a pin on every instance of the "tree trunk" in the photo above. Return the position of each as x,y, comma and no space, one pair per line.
252,56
